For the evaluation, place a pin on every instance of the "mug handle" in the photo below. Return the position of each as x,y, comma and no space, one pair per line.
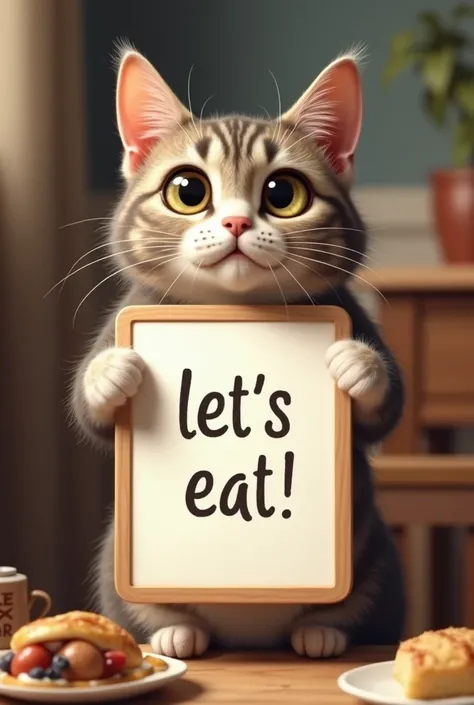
40,594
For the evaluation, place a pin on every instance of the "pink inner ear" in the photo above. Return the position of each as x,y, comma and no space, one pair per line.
341,86
133,107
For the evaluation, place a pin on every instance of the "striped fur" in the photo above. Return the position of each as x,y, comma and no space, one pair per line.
305,259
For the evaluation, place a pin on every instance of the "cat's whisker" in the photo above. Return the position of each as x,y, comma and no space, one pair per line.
190,139
265,111
99,247
296,280
324,252
85,220
285,139
103,259
281,290
164,240
202,109
151,230
323,227
115,274
151,132
198,133
279,107
136,226
194,279
329,244
320,132
173,283
315,271
339,269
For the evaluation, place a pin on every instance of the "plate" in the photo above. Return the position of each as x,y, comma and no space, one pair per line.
375,684
102,693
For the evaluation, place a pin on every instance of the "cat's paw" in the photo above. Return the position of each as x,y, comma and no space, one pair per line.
180,641
359,370
112,377
318,642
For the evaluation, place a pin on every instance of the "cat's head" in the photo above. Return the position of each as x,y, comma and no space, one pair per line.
235,208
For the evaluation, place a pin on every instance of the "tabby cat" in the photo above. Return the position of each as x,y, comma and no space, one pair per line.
242,210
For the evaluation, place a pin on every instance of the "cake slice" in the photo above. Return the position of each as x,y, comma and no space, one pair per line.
436,664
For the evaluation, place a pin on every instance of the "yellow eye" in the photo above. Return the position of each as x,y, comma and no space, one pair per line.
187,192
285,195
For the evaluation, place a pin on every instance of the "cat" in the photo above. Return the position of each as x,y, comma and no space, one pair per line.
241,210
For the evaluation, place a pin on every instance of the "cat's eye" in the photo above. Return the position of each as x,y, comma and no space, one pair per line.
285,195
187,192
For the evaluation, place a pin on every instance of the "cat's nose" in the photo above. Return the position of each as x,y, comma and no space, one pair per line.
237,224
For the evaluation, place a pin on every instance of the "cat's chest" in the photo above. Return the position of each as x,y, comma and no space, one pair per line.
245,626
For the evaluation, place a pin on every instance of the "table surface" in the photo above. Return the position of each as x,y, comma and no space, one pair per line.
266,678
260,678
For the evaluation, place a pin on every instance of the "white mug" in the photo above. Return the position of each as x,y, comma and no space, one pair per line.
16,602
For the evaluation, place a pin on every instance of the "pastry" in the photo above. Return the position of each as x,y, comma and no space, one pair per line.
75,649
436,664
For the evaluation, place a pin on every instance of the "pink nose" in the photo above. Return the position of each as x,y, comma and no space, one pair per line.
237,224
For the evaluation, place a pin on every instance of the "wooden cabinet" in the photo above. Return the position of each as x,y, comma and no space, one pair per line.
424,489
427,319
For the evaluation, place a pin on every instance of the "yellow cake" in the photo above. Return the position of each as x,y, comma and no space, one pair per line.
436,664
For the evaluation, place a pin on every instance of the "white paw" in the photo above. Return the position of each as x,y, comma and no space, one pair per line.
318,642
359,370
111,378
180,641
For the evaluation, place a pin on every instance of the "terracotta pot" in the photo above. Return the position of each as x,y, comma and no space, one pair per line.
453,206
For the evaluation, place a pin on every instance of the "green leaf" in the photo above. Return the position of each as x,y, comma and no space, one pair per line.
463,147
463,93
436,104
402,55
403,42
465,9
437,69
431,20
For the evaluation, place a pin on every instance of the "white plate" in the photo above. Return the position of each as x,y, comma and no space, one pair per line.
375,684
101,693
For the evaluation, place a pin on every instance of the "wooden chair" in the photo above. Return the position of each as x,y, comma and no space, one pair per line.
428,500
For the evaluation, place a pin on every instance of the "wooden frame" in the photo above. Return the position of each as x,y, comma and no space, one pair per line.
343,463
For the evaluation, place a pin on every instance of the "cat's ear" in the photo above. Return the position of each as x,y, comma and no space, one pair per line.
330,112
147,109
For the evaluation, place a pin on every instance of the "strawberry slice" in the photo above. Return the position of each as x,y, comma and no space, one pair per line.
114,662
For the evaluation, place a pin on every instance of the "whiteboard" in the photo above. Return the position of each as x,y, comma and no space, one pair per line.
233,459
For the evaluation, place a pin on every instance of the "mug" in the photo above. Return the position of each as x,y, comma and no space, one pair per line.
16,603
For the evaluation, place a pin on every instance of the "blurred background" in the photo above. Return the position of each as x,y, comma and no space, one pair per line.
59,162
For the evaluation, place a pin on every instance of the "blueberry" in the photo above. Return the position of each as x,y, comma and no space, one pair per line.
36,672
60,663
52,674
5,662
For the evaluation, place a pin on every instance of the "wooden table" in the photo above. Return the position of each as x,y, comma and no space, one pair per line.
261,679
265,678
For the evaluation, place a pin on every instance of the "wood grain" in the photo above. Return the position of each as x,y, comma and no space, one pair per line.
123,466
424,471
267,679
400,323
448,333
271,678
427,279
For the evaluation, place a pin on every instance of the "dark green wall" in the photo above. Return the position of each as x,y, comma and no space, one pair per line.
233,44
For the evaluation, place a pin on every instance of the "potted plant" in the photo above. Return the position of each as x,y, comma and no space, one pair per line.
440,50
